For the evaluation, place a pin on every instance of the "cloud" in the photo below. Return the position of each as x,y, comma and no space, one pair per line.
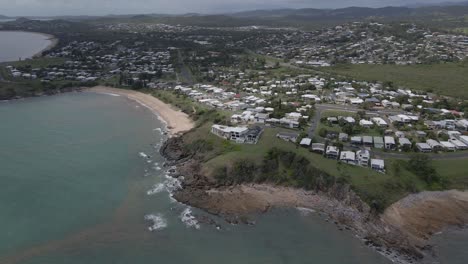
103,7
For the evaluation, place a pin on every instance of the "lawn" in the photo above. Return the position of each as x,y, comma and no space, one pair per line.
447,78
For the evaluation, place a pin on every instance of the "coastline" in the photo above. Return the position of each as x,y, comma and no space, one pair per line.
54,41
399,233
177,121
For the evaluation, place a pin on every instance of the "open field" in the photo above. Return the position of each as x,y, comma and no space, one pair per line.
447,79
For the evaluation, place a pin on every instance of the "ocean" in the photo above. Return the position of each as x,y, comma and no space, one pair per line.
81,181
15,45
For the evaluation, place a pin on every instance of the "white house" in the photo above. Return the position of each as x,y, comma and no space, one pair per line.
306,142
378,165
448,146
379,122
229,133
365,123
363,157
332,152
389,142
348,157
423,147
434,144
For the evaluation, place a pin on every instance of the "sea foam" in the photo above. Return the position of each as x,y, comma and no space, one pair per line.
156,189
157,222
305,211
188,219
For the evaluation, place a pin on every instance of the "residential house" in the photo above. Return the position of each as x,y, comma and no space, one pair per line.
348,157
356,140
292,137
404,142
458,144
423,147
435,146
378,165
368,141
318,147
378,142
332,152
379,122
305,142
365,123
389,142
448,146
363,157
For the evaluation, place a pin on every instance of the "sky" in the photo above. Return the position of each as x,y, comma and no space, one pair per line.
105,7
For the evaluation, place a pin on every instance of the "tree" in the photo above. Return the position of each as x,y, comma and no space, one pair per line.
421,166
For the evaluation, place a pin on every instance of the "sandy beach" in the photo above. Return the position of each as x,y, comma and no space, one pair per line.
177,121
53,43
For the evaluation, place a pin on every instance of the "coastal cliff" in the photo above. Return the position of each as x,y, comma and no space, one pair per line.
401,232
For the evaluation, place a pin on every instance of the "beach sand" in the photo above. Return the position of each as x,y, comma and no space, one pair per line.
177,121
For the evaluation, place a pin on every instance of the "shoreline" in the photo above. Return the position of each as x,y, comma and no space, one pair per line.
399,233
177,121
53,42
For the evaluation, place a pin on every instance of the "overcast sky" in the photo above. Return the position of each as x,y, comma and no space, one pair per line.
104,7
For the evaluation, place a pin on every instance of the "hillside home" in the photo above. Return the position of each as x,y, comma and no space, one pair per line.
332,152
448,146
389,142
423,147
318,148
435,146
363,157
348,157
378,142
458,144
378,165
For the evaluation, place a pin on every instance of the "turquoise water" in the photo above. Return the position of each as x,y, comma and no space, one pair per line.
73,189
15,45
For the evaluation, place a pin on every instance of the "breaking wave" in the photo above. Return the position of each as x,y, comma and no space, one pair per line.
188,219
157,222
156,189
305,211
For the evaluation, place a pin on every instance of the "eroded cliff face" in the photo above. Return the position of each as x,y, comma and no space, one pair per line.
401,232
423,214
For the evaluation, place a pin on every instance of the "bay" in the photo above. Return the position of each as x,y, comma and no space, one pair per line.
16,45
74,189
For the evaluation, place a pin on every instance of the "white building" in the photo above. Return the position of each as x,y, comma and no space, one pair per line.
389,142
378,165
348,157
332,152
365,123
363,157
379,122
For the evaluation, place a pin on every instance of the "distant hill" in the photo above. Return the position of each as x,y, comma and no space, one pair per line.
3,17
445,17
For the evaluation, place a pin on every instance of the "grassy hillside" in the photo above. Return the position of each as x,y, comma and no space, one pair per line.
373,187
446,79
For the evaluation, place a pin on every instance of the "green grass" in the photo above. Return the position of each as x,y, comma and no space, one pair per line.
365,181
447,79
455,170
